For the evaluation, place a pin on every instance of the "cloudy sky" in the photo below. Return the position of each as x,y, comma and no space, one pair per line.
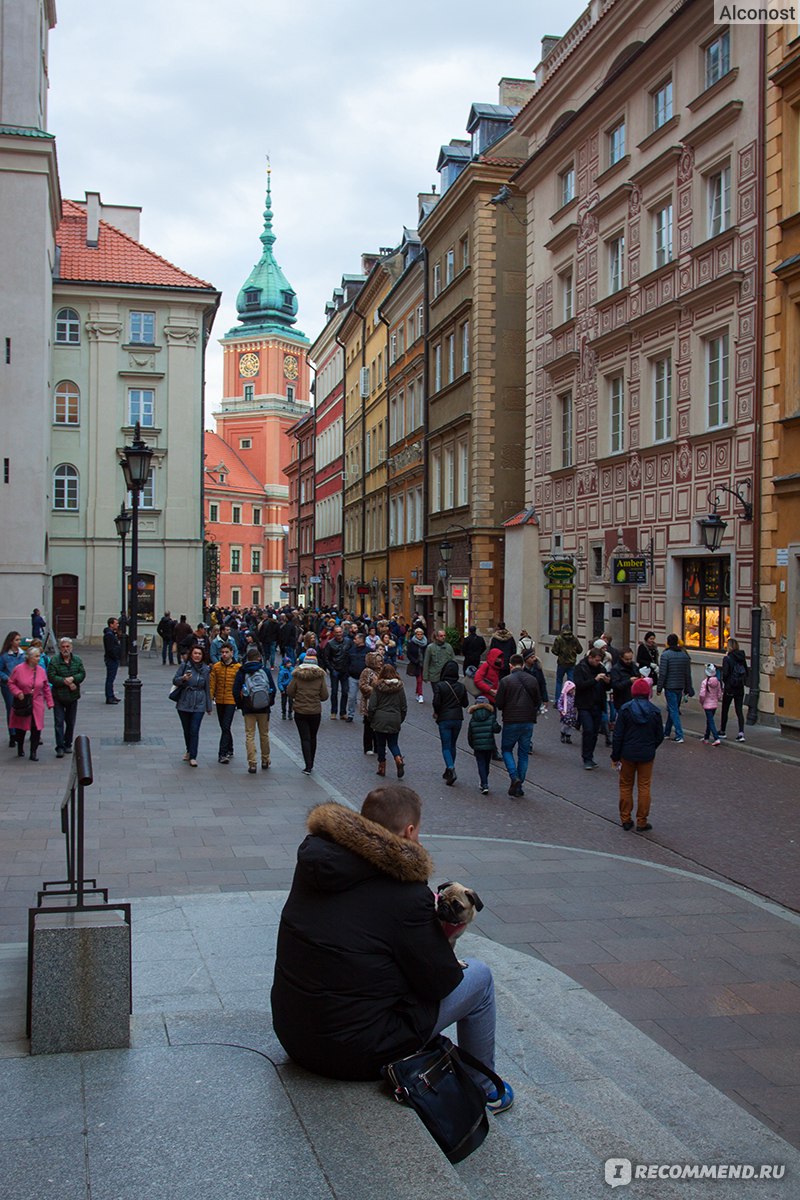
174,105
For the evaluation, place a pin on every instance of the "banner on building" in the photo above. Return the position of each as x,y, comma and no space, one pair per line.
630,570
560,574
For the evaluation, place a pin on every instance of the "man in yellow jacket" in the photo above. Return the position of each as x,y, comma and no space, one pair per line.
220,684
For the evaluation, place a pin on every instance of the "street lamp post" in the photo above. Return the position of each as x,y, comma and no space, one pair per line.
135,465
123,524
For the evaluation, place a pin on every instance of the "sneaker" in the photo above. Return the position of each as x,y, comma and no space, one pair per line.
369,752
348,719
705,742
626,825
484,791
306,770
192,762
333,717
223,761
186,756
722,733
59,753
679,741
500,1103
251,770
739,737
644,828
589,766
420,699
716,743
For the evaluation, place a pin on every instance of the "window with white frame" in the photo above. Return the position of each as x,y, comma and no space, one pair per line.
393,347
147,495
236,514
449,480
717,56
256,515
662,104
436,481
567,281
236,559
437,366
616,143
255,560
66,490
420,320
451,357
437,279
616,410
213,511
566,182
400,519
401,339
662,234
450,265
463,473
142,328
411,335
616,262
719,201
464,347
66,403
141,406
565,413
717,380
662,399
464,248
245,443
68,327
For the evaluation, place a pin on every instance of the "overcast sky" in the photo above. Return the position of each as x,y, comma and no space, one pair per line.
174,105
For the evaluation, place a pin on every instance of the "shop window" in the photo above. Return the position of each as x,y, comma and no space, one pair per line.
706,603
560,608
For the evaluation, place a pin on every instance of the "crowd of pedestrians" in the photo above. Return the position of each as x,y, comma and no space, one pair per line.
243,662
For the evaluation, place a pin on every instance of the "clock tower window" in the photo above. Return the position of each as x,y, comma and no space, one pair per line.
248,392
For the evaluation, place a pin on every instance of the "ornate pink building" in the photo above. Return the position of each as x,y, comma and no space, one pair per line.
642,193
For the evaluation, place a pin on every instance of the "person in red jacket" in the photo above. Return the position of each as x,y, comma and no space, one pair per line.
487,681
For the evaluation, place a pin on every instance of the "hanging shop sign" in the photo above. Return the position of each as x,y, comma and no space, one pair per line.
630,570
560,574
363,589
459,591
423,589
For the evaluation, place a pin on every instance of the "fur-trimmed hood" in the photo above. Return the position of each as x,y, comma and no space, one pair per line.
486,707
502,635
307,670
335,827
388,685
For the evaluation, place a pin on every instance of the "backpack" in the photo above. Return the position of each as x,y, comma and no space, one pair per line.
256,691
738,674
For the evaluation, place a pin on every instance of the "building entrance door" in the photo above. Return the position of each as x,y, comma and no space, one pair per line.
65,605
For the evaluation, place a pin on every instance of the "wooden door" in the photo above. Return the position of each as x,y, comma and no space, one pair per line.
65,605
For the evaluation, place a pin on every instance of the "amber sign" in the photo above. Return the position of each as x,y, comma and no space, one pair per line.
632,569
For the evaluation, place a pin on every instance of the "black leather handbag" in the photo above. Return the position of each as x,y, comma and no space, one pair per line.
448,1101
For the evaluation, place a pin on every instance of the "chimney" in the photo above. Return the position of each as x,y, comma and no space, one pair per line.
549,43
93,208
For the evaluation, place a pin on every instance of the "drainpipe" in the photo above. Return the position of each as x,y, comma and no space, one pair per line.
425,425
358,313
340,343
386,456
758,400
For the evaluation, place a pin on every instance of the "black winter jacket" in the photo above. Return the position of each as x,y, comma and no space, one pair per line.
482,726
362,962
675,672
730,685
449,695
337,655
622,677
638,732
589,692
358,660
518,698
473,648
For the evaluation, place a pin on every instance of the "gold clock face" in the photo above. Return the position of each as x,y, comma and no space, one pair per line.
290,367
248,365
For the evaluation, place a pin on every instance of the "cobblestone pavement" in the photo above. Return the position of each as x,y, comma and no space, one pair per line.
656,925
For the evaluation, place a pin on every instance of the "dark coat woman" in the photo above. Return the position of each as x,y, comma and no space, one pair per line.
362,964
194,700
416,646
735,678
386,710
473,648
449,701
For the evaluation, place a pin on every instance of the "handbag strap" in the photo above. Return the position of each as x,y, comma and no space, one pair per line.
477,1065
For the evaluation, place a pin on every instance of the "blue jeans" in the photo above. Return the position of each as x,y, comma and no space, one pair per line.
64,722
382,740
711,728
166,648
483,758
673,699
562,673
191,722
339,680
112,666
471,1007
519,734
589,719
448,733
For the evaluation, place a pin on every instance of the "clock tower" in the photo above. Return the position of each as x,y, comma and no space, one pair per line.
266,381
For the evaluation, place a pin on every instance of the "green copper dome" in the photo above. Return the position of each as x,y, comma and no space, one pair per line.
267,302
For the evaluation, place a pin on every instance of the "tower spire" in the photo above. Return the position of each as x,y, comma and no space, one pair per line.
267,302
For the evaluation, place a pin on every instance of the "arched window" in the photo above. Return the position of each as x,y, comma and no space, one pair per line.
68,327
66,403
65,488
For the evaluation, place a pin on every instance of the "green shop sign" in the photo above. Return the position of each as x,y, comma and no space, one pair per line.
560,574
630,570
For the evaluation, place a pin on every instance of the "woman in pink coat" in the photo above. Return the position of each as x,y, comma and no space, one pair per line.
26,678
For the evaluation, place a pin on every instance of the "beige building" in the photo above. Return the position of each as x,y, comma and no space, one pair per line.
475,336
643,387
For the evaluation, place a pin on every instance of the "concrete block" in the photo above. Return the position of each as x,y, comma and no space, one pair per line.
80,997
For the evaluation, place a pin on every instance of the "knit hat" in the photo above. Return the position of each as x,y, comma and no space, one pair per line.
481,699
711,670
311,652
530,652
599,644
641,687
644,672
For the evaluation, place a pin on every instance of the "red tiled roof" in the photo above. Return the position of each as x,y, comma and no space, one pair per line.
506,161
522,518
117,258
239,479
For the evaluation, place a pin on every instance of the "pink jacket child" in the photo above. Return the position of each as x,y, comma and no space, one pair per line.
569,714
710,697
23,680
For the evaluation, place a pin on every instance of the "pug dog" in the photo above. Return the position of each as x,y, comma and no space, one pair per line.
456,906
